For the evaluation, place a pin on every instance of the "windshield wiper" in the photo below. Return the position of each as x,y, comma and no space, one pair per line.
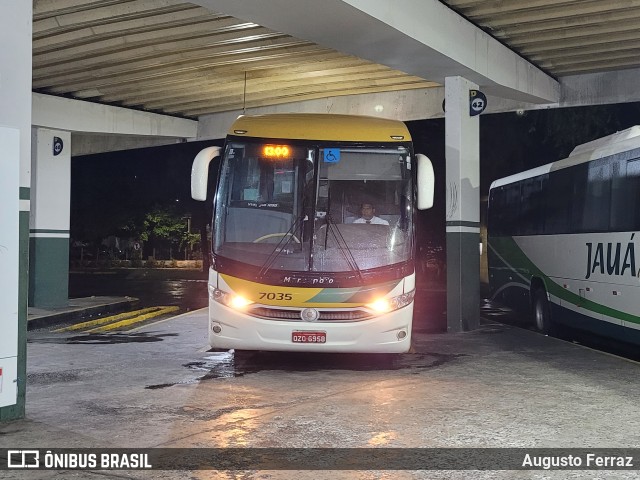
342,245
284,241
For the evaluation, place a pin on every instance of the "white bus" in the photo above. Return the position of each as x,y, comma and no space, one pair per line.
294,269
562,239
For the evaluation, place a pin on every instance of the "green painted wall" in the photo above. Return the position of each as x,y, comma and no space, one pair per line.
48,272
463,281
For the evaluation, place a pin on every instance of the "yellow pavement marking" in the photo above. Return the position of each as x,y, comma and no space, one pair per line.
102,321
131,321
151,324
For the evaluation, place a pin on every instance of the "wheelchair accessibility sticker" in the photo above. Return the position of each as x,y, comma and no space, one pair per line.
331,155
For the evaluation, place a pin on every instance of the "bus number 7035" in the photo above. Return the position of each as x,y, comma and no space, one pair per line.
291,190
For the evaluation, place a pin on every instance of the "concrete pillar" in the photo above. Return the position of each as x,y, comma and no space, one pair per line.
49,222
462,143
15,161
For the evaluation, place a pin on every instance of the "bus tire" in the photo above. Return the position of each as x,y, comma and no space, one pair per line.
542,312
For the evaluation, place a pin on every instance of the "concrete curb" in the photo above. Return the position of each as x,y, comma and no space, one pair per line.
79,308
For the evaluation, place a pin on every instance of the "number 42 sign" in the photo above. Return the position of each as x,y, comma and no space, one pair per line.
477,102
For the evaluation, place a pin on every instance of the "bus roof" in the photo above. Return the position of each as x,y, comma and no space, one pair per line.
321,126
622,141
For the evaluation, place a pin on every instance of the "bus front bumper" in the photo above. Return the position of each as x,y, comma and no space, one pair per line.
387,333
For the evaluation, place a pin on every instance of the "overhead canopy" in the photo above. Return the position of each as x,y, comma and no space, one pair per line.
210,56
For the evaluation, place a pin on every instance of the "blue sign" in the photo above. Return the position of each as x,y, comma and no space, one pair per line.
331,155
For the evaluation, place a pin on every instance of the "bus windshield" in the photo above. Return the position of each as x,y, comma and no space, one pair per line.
294,206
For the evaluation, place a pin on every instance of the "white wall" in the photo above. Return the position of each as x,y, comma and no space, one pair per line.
50,181
9,263
15,145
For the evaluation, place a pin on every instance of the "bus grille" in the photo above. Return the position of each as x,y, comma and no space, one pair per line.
325,316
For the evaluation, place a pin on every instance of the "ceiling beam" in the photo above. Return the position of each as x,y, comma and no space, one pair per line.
83,42
555,11
320,65
165,78
569,25
196,111
236,93
424,38
178,62
79,116
479,9
236,81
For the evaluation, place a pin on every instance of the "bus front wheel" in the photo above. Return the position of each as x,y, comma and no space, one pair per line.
542,312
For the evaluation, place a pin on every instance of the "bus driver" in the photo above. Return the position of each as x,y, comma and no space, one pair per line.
368,213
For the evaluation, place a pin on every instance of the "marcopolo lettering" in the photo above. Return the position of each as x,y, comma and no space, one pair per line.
611,259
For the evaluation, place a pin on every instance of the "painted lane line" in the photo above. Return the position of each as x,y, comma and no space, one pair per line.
151,324
134,320
104,320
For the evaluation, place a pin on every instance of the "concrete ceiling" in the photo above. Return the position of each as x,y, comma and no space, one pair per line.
189,59
182,59
563,37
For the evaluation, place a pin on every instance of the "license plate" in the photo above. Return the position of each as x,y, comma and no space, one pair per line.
309,337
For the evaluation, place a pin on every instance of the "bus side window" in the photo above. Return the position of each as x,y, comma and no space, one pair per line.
625,195
597,203
496,206
532,209
511,209
558,202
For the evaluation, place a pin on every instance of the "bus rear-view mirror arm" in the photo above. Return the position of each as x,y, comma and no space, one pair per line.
200,172
426,180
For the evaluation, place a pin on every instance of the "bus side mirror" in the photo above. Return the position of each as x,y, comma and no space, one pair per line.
200,172
426,181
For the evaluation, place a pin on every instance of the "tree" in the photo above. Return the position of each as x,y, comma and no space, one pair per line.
164,227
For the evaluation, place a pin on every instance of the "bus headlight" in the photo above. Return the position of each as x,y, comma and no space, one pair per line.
383,305
232,300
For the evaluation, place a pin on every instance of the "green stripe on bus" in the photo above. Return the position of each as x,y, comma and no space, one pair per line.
354,294
512,254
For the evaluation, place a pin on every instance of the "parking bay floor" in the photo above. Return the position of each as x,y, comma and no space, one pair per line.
158,386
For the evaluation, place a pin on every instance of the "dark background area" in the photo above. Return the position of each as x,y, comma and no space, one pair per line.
111,190
512,142
114,190
108,190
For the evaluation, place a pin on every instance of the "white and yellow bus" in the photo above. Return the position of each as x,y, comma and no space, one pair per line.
293,268
564,237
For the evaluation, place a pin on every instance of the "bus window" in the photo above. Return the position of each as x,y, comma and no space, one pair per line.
598,197
532,210
558,201
625,191
506,201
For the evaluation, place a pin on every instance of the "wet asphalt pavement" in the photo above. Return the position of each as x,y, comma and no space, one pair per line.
494,312
161,386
